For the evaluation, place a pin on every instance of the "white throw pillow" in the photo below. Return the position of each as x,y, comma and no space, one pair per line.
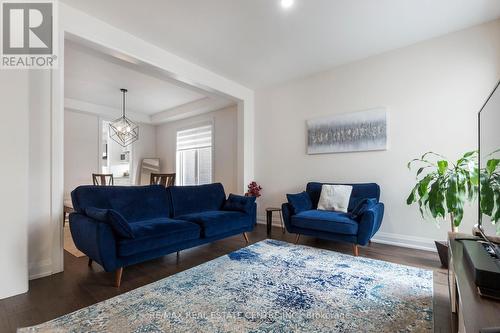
335,197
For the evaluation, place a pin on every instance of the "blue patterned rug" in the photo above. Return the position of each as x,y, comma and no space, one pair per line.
270,286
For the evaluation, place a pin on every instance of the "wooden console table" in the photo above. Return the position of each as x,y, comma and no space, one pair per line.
473,311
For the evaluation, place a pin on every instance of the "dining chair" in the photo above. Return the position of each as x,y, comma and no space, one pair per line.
68,209
103,179
165,179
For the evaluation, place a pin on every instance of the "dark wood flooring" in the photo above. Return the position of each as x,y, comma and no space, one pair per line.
80,286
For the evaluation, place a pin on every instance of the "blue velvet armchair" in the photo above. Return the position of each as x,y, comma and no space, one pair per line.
348,227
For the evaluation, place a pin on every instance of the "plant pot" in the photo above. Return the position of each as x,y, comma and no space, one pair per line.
442,248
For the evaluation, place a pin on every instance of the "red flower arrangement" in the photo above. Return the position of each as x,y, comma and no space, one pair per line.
253,190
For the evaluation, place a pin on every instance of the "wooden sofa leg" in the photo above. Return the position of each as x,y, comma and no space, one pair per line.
118,277
246,237
90,262
355,249
297,239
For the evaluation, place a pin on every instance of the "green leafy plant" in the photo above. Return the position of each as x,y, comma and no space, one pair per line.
490,188
443,187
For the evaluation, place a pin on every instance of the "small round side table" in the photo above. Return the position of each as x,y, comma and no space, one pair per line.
269,216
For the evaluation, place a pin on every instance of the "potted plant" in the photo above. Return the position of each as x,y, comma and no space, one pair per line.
443,188
490,189
253,190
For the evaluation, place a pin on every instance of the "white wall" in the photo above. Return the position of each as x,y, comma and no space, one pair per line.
40,236
14,145
144,148
433,90
225,140
81,148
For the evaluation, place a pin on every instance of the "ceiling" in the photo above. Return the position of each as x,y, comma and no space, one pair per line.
257,43
93,77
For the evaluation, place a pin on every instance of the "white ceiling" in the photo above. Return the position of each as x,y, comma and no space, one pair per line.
93,77
257,43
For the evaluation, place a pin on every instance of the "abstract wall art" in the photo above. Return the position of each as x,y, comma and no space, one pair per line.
349,132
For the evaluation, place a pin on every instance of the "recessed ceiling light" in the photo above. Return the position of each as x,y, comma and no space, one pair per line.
286,3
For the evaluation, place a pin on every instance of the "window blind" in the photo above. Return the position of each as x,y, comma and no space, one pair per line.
194,156
193,138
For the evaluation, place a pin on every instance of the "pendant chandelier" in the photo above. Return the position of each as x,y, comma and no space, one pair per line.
123,130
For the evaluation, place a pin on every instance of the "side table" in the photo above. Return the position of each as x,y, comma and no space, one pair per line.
269,216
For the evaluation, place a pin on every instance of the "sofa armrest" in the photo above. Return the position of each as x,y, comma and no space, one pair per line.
286,209
254,214
369,223
95,239
240,203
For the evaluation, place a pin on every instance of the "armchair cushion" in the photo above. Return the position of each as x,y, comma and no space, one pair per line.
335,197
361,206
116,220
334,222
300,202
359,191
239,203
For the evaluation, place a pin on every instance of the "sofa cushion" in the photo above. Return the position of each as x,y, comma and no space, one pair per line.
98,214
299,202
359,191
239,203
157,233
117,222
135,203
195,199
335,222
213,223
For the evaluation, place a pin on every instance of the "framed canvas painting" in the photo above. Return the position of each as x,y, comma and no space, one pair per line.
348,132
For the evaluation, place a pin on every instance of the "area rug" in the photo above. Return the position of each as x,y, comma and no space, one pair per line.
270,286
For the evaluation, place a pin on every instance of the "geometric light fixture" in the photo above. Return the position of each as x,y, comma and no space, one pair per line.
123,130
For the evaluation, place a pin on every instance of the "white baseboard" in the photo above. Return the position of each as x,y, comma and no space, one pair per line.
412,242
40,269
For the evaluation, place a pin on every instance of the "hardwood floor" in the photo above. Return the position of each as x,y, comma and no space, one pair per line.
80,286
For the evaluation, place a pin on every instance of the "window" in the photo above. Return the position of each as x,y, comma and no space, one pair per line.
194,156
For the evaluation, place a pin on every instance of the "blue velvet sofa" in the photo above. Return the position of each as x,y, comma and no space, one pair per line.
118,226
356,228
